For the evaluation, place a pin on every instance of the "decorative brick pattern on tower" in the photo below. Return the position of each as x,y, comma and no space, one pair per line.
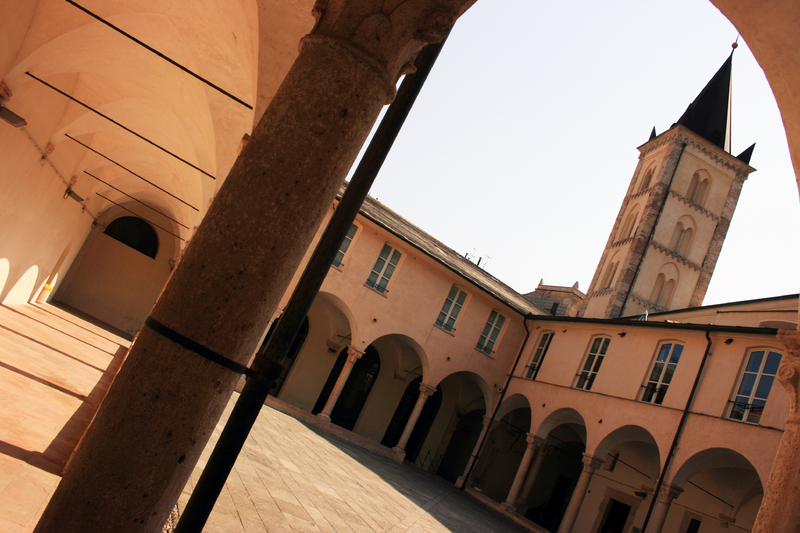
666,258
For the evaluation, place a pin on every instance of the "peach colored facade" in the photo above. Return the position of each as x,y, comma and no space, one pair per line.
717,459
581,450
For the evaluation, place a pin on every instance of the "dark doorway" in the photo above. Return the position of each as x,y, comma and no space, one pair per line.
356,390
616,517
459,450
403,413
423,426
557,478
291,355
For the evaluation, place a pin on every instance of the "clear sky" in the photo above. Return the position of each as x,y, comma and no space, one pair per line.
523,142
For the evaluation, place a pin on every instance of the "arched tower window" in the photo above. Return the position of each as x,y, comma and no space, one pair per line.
685,242
664,287
648,177
658,287
682,236
676,236
136,233
629,228
666,295
611,271
698,189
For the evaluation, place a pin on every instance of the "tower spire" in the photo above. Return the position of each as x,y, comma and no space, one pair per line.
709,115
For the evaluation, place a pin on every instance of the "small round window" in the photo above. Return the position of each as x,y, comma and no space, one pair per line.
136,233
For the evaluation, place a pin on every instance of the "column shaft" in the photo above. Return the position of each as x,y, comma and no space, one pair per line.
353,355
462,479
524,466
159,413
530,479
665,497
590,464
780,507
425,391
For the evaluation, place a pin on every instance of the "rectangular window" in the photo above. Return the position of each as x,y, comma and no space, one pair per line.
348,239
538,355
594,359
491,331
384,268
451,309
664,367
757,377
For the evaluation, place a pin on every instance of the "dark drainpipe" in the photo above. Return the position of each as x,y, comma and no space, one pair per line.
500,401
677,434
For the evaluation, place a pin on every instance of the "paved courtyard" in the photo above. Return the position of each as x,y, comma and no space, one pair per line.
54,369
290,478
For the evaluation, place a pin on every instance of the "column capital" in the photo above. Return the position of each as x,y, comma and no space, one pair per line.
533,441
486,421
353,354
591,463
789,371
426,390
385,35
668,493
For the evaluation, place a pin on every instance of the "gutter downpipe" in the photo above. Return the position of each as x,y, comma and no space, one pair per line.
677,434
477,454
655,225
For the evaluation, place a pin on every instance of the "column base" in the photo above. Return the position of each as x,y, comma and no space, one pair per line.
398,454
509,507
325,416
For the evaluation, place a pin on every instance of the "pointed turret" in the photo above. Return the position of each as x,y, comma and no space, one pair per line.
747,154
710,114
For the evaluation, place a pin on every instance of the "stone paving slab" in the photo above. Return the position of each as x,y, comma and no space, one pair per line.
289,478
293,478
54,369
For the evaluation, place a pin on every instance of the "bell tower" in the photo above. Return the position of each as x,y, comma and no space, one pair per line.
673,220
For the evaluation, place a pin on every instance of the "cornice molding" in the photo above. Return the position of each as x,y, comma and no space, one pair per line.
683,135
645,192
674,255
696,207
647,303
623,241
601,292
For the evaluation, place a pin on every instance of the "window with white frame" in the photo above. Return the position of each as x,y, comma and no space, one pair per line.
538,354
753,390
597,351
346,242
448,316
664,365
384,268
491,332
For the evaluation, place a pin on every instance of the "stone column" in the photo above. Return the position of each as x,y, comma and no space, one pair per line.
590,464
524,466
462,479
425,392
543,451
161,409
780,507
353,355
665,497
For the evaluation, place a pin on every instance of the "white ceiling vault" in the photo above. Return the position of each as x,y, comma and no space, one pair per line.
162,124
